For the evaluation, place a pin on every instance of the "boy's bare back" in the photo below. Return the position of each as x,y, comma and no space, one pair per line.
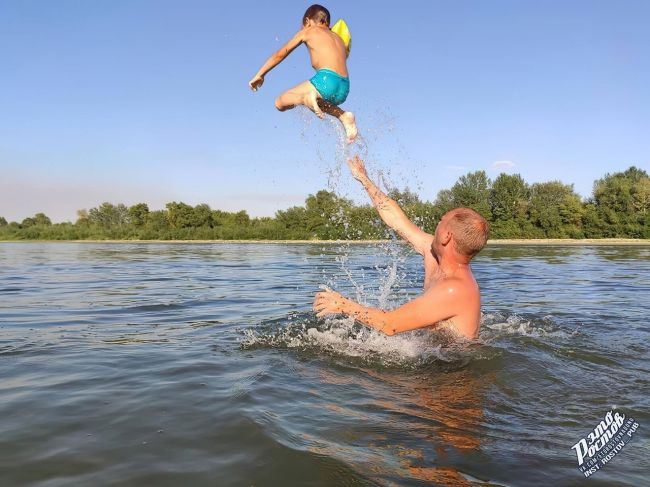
326,49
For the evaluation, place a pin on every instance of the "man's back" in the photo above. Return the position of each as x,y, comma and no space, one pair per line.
326,50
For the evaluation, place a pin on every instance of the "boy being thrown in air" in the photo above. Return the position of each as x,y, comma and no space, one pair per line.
330,86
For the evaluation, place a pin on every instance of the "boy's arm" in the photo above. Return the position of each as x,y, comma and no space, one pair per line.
437,304
276,58
390,211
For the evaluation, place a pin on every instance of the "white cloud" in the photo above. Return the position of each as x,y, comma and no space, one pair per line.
502,165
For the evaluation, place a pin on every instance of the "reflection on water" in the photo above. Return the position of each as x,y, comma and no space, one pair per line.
168,364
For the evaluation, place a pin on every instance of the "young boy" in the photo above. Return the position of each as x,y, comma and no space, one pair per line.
330,85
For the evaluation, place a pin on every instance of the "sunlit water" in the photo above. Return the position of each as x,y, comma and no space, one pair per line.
169,364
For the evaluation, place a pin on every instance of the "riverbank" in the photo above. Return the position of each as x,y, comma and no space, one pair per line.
534,241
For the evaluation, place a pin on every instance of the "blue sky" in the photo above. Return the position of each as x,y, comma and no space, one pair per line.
133,100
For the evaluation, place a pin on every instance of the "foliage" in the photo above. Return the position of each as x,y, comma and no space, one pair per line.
472,191
618,207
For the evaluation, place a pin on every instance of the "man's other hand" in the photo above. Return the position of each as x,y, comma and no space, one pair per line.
328,303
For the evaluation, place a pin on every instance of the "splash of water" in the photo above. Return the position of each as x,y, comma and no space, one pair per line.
342,337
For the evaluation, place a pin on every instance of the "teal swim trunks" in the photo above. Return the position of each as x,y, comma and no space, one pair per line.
333,87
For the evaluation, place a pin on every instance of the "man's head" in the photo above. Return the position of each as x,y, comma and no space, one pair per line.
465,229
317,14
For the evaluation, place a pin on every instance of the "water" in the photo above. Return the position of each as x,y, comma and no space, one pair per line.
174,364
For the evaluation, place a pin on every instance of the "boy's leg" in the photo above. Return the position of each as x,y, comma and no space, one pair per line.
346,118
303,94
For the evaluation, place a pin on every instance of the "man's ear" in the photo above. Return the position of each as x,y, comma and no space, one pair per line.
446,238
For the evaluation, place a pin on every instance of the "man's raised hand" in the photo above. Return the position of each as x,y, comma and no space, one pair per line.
357,168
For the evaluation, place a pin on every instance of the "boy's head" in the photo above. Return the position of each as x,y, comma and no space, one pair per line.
317,14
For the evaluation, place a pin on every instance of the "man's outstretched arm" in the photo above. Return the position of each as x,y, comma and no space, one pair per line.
390,211
438,304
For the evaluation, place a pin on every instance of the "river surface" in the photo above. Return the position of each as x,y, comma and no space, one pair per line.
201,364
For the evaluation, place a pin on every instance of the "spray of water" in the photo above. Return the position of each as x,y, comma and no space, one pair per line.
374,286
342,337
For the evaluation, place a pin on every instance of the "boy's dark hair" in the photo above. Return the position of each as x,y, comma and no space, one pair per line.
318,14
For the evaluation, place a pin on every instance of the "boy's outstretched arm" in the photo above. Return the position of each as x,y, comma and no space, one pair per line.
390,211
276,58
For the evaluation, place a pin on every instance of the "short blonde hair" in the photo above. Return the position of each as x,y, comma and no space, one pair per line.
470,230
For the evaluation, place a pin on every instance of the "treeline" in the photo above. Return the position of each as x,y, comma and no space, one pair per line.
619,206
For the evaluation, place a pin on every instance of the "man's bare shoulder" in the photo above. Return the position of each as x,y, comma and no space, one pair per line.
455,286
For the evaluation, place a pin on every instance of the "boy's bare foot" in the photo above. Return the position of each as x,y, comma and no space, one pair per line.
311,100
347,119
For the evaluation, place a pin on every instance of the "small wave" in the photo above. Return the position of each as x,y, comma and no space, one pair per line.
495,325
11,289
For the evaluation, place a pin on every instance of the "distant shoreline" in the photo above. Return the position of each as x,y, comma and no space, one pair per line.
532,242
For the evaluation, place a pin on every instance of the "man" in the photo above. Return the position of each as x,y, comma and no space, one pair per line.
451,296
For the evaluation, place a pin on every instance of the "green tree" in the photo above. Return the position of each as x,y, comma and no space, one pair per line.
445,200
3,222
614,194
592,225
42,219
242,218
138,214
641,196
327,215
556,209
180,215
364,223
228,219
473,191
405,197
38,219
202,216
509,198
622,201
83,218
157,221
27,222
108,215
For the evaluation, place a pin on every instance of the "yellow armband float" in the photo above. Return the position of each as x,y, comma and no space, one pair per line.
340,28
